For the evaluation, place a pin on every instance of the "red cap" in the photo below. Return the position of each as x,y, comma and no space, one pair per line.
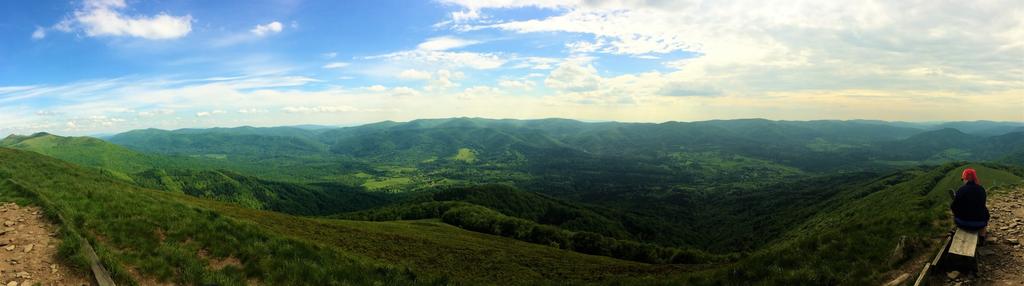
970,175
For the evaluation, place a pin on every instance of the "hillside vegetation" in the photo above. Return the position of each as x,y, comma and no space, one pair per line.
553,201
179,238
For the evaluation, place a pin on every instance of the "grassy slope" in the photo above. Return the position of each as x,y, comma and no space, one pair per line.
431,246
84,151
854,242
162,234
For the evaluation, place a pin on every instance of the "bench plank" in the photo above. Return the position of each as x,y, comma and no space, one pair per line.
924,273
964,243
942,250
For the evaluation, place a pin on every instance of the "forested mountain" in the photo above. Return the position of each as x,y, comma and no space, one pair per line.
843,237
725,201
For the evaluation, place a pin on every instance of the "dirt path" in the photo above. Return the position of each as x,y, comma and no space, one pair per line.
28,250
1001,260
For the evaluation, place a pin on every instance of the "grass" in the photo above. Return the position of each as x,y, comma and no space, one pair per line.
387,183
854,243
174,237
435,248
465,155
161,235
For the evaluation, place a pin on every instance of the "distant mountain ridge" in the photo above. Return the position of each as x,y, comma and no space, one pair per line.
501,139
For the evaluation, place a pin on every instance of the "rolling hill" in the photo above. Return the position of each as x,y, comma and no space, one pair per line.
711,202
174,237
167,235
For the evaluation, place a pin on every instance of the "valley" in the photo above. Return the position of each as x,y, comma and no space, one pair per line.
524,202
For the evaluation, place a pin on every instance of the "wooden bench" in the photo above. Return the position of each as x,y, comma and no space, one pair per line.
962,252
965,243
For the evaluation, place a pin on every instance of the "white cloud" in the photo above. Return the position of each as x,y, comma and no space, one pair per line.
39,33
330,55
335,65
209,113
480,91
463,16
755,47
450,60
267,29
505,4
516,84
252,110
572,76
103,18
404,91
444,43
444,79
413,74
319,109
377,88
155,112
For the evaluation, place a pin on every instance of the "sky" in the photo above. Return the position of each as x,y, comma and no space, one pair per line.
106,66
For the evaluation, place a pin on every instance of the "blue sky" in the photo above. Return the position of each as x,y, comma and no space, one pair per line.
99,66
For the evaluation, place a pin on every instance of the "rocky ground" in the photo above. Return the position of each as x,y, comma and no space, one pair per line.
1001,260
28,250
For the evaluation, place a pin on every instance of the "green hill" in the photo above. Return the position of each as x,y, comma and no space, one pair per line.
85,151
180,238
839,229
257,193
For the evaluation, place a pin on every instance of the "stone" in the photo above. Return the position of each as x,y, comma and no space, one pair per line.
1012,241
10,247
985,252
29,247
12,283
8,223
953,274
23,274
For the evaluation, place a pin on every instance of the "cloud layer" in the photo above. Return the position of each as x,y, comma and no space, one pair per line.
104,18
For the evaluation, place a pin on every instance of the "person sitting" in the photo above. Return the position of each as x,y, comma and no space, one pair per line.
969,210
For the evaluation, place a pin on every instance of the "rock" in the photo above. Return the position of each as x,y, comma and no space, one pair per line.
898,253
899,280
1012,241
10,247
12,283
23,275
8,223
953,274
991,240
29,247
985,252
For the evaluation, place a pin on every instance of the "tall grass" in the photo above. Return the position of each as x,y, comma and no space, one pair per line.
169,240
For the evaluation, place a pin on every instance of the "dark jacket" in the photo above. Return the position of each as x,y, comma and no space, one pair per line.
969,203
